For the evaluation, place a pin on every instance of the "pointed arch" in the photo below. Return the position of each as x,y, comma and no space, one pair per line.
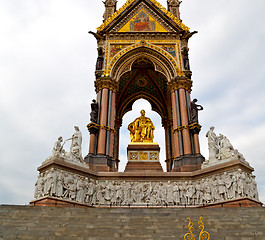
162,61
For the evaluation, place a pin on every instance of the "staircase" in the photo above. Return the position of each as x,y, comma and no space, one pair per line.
26,222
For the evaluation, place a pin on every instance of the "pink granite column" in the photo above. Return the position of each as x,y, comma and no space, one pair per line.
184,121
112,124
117,147
167,142
103,122
196,144
92,144
175,143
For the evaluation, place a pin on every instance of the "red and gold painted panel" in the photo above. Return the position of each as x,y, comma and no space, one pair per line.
142,22
170,48
115,48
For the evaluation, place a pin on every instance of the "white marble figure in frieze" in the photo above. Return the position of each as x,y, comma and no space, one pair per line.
50,183
221,186
182,194
90,191
60,184
253,185
198,191
153,193
240,183
107,192
175,193
67,178
169,188
81,189
215,189
39,186
100,193
207,194
190,193
229,184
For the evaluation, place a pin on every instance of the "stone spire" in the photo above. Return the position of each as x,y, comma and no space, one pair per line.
110,8
173,7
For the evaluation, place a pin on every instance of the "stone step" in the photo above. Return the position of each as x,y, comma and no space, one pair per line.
25,222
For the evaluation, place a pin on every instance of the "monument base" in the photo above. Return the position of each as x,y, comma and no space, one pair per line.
101,163
63,183
188,163
143,157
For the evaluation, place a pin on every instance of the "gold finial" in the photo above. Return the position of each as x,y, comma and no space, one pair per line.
142,129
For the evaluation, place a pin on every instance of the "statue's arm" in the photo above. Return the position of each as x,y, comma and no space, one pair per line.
199,107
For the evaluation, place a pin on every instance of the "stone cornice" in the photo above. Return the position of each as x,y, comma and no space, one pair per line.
216,169
106,83
139,36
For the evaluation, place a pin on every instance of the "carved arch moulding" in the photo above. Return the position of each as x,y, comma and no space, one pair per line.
162,61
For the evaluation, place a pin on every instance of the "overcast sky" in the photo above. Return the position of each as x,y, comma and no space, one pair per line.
47,63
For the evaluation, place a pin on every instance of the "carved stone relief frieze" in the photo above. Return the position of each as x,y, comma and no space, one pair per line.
77,188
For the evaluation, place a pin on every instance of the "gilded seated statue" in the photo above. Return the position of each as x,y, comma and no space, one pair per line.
141,129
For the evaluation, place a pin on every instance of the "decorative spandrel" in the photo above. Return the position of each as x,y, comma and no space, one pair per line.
142,129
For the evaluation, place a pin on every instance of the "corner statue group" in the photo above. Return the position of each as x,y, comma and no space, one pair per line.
141,129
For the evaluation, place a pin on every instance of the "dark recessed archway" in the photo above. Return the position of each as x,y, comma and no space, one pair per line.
142,82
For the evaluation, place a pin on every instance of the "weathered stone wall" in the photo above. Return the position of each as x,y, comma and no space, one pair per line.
24,222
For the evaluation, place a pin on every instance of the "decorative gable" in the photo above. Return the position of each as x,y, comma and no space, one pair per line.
142,16
142,22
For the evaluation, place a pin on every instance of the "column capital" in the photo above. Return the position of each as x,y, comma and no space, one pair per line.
106,82
180,82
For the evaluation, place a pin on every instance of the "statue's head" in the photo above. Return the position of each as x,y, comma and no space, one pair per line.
142,112
212,128
94,100
60,139
195,100
76,128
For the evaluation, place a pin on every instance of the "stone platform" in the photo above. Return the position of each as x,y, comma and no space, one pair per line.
74,184
143,157
57,223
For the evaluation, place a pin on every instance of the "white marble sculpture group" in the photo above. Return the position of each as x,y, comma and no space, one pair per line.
221,150
75,153
217,188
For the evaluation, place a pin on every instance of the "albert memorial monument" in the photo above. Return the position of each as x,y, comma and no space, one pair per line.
143,53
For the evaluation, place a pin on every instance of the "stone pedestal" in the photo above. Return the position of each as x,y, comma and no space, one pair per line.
143,157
